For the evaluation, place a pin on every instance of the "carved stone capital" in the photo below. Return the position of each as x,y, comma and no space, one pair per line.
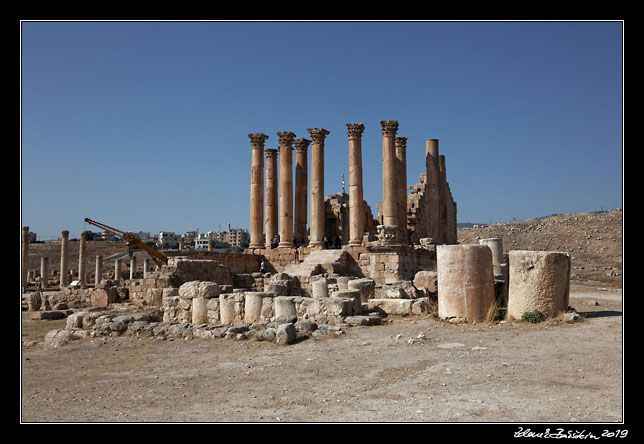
257,139
388,235
389,127
270,152
318,134
286,137
401,141
302,144
355,130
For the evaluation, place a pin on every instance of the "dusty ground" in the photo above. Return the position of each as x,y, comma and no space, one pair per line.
511,372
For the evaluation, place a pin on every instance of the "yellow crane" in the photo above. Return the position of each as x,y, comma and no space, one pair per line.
159,258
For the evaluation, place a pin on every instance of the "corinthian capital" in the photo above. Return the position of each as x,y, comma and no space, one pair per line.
286,137
257,139
270,152
318,134
355,130
401,141
302,144
389,127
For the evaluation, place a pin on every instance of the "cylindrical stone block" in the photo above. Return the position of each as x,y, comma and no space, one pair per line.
200,310
496,245
253,304
98,275
285,306
226,309
539,280
465,282
320,288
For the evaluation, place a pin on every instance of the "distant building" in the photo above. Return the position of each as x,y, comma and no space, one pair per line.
202,244
168,239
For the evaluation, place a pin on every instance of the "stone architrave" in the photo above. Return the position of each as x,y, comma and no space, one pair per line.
316,237
401,157
301,190
64,259
389,171
272,215
286,188
257,190
433,190
356,203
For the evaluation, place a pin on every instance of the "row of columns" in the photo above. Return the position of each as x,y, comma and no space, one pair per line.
64,262
290,222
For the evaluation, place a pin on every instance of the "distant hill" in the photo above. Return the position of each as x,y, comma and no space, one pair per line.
594,241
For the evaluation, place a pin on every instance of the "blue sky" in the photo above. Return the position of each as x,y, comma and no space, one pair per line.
144,125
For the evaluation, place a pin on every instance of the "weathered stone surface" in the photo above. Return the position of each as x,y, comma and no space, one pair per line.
254,305
427,280
366,286
194,289
285,306
539,280
320,288
285,334
199,310
103,297
305,326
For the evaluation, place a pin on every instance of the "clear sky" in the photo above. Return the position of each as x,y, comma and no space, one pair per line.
144,125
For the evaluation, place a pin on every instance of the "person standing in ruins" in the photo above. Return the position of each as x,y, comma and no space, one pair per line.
295,255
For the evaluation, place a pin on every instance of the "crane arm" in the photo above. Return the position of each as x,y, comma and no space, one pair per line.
159,258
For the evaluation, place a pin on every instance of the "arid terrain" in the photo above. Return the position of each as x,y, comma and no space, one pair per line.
410,369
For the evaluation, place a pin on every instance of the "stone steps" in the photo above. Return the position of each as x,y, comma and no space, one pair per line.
311,263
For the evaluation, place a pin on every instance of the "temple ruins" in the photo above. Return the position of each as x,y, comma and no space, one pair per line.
352,268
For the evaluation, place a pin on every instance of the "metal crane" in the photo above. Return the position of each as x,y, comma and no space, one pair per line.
159,258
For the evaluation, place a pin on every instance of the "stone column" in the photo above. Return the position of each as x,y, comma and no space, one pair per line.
272,215
356,201
64,261
401,157
432,190
317,187
25,256
286,188
257,190
389,170
117,269
443,199
81,260
44,270
146,264
133,267
301,189
98,273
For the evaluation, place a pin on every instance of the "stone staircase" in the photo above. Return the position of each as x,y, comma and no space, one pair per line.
316,262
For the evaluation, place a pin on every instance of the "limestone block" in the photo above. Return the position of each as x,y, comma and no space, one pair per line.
391,306
231,307
193,289
355,297
75,320
320,288
285,306
254,305
286,334
427,280
103,297
281,287
199,310
539,280
366,286
465,281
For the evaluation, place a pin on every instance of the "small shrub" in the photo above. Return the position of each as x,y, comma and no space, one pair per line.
534,316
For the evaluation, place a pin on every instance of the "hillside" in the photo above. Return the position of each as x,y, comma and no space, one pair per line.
594,241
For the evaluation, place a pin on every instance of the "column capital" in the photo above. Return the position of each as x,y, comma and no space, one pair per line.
401,141
389,127
271,152
302,144
257,139
286,137
318,134
355,130
65,233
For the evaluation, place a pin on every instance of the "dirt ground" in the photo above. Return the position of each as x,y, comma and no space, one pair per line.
411,369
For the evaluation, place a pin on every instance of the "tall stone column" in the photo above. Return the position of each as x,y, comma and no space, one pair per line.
98,274
44,270
401,156
317,187
443,199
432,189
356,201
64,259
133,267
117,269
81,260
25,255
146,264
301,189
389,171
257,190
272,215
286,188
